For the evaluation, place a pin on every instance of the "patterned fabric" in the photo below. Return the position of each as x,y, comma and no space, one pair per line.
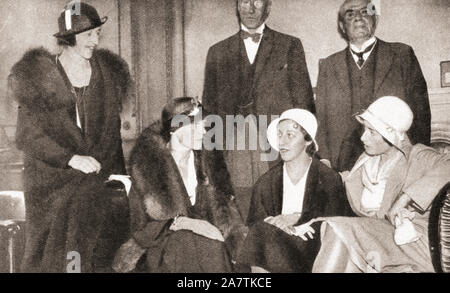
444,231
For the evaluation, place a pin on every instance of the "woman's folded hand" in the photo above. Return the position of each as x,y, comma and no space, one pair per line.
283,221
85,164
398,207
199,227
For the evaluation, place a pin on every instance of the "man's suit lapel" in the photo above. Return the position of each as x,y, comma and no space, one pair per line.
264,51
341,72
385,58
232,65
233,51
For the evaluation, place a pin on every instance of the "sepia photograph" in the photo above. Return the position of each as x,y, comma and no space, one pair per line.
251,137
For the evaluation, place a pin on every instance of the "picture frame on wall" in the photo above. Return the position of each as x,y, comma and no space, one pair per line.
445,74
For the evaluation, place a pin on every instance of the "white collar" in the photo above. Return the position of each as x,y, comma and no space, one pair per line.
301,181
293,194
190,182
366,44
259,30
181,159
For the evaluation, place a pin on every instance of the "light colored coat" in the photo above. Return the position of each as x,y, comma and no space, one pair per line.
421,175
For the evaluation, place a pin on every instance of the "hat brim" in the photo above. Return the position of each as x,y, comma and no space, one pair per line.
380,127
73,32
272,133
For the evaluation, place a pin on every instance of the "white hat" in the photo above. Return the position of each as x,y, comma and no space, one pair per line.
302,117
391,117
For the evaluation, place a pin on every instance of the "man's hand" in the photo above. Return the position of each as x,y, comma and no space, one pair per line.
399,205
199,227
283,221
85,164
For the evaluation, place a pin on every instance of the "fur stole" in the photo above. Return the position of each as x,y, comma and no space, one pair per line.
159,188
36,82
157,178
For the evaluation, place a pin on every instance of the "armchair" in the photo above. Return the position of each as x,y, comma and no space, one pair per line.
439,231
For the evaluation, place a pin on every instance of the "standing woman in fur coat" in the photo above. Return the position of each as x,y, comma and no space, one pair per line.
183,218
69,130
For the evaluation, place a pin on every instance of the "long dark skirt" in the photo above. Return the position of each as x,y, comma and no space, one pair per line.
186,252
81,218
272,249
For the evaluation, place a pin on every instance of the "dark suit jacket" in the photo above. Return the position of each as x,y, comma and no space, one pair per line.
398,73
281,79
324,195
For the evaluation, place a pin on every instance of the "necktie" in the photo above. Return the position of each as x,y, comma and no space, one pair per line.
255,37
361,54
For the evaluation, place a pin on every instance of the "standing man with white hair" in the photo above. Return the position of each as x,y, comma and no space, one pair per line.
257,71
350,80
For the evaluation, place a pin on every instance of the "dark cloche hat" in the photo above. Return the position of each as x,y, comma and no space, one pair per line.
184,107
78,17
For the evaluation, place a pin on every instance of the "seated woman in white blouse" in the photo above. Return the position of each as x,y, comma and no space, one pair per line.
291,193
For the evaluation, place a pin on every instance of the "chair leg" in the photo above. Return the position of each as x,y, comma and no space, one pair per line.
11,255
11,230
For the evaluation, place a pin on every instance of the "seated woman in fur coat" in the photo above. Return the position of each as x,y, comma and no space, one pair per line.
183,217
69,130
293,192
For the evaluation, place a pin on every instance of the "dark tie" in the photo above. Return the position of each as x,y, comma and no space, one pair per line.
360,54
255,37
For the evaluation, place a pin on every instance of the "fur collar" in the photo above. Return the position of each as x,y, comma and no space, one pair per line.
159,188
157,179
156,176
37,83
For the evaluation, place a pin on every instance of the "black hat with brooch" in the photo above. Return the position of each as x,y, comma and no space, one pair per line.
180,112
78,17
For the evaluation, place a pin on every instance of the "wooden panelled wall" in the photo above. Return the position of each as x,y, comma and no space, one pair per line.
158,55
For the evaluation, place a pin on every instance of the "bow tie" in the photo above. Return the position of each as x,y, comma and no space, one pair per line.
255,37
361,54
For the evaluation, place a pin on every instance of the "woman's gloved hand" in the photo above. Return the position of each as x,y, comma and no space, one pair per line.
303,231
200,227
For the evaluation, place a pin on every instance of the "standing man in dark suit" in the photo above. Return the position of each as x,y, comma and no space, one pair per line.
257,71
350,80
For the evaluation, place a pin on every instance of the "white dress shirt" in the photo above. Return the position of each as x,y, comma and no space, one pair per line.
189,179
366,44
293,194
250,46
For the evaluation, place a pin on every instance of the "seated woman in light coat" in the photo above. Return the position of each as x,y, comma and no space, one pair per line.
182,213
390,188
293,192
